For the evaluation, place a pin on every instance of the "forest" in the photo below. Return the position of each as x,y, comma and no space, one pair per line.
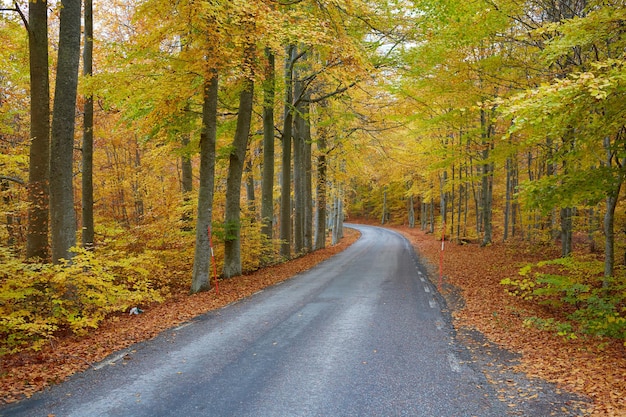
154,146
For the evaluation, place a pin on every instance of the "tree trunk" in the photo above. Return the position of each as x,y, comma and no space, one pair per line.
443,200
285,198
308,184
39,165
267,183
566,231
609,216
508,198
320,191
487,178
232,218
87,177
298,172
411,212
383,218
250,197
62,214
609,234
200,280
186,184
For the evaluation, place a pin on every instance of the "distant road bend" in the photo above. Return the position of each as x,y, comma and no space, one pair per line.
361,334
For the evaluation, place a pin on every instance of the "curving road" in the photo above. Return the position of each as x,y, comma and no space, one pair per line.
361,334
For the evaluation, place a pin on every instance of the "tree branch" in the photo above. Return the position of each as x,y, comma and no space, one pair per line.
13,179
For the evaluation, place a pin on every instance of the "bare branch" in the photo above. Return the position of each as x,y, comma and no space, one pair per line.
13,179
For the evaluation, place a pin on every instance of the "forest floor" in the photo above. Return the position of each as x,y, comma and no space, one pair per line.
471,285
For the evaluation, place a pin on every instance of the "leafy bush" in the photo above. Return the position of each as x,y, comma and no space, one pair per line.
37,300
575,286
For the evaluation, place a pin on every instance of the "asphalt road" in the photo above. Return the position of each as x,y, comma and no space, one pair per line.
362,334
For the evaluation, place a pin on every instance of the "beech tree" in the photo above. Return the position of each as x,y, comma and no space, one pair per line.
200,280
87,149
62,214
232,219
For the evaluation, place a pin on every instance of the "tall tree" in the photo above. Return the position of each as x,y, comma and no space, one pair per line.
39,166
62,214
267,183
87,177
285,196
200,280
232,217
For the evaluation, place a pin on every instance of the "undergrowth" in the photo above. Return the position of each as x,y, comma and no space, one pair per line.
574,289
38,300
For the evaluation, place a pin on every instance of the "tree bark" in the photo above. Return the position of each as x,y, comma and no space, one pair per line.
487,178
566,231
200,280
186,184
299,169
267,183
320,191
232,218
39,165
87,177
250,197
308,186
62,214
285,197
411,212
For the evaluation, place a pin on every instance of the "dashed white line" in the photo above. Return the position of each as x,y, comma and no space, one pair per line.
426,289
432,303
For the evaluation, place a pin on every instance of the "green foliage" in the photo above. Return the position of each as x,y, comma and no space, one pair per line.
590,303
38,300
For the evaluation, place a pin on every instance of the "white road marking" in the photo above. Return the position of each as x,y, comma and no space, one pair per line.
454,363
111,361
432,303
426,289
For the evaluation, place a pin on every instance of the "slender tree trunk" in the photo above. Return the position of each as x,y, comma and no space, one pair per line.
200,280
285,198
411,212
267,183
298,170
566,231
186,184
443,201
186,168
609,216
431,210
62,214
487,178
609,234
320,192
308,184
232,220
87,177
250,197
507,202
39,165
137,187
384,215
